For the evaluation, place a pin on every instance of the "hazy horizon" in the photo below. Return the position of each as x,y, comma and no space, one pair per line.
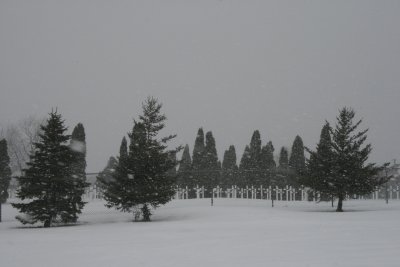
282,67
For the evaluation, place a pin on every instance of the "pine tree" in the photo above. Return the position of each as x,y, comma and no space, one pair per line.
211,165
229,168
198,160
185,177
48,182
141,180
342,162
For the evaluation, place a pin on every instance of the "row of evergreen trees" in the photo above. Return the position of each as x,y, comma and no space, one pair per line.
257,165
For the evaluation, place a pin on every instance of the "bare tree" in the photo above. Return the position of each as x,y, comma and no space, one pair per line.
21,137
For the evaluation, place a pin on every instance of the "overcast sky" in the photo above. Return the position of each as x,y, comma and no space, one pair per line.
282,67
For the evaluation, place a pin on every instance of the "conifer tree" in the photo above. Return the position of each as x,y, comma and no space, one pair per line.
141,180
123,149
107,174
297,159
49,189
78,147
185,177
283,173
211,165
198,160
5,172
114,177
268,165
254,170
229,168
245,165
283,158
320,166
339,166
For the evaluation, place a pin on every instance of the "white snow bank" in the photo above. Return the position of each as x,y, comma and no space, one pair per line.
231,233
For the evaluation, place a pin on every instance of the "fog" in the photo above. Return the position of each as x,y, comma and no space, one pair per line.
282,67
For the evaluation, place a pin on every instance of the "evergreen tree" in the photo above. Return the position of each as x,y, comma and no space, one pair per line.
185,177
229,168
49,182
107,174
211,165
114,177
141,180
283,173
284,158
320,166
198,160
245,165
78,147
123,149
268,165
5,171
342,169
254,170
297,159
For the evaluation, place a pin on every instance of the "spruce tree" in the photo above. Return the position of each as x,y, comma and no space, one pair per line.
185,177
352,174
48,188
5,171
229,168
339,167
141,180
198,160
211,165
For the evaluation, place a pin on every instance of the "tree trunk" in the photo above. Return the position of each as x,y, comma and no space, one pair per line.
146,213
47,223
340,204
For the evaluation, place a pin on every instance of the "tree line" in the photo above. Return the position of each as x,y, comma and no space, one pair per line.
257,165
144,175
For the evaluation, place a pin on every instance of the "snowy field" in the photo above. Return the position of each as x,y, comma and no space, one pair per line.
231,233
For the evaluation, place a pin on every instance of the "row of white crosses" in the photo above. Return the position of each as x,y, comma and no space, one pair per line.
288,193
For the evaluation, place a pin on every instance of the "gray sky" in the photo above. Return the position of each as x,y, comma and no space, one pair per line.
282,67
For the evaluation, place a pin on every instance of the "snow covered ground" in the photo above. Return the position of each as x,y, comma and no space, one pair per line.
234,232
